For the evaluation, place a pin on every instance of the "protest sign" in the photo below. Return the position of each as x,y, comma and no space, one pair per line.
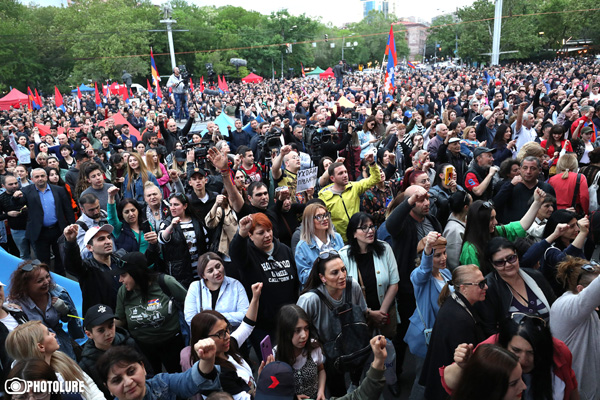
306,179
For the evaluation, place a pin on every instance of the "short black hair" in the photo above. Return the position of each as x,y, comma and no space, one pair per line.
117,355
89,198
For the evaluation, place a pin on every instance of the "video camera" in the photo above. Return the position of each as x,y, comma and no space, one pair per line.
271,141
314,138
200,150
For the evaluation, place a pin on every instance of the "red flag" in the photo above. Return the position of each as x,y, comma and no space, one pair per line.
125,92
220,85
202,83
79,93
225,87
38,99
149,88
158,91
302,70
58,99
191,85
98,99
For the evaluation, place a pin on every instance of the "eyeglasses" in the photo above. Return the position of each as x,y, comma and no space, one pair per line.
481,284
520,319
367,228
324,255
31,265
321,217
221,334
501,263
591,268
27,396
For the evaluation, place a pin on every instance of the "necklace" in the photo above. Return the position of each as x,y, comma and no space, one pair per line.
519,294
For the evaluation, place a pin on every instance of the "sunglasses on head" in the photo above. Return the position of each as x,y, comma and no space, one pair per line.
591,268
520,319
324,255
488,204
31,265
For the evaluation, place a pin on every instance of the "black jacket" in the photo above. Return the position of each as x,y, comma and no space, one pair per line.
170,137
403,230
499,298
278,274
62,205
5,360
98,285
176,253
90,355
8,203
453,326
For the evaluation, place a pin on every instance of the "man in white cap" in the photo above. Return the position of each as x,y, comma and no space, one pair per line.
95,275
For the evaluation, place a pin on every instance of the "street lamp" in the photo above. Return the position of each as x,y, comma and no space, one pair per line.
343,37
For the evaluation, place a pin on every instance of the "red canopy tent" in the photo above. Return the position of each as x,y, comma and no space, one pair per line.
252,78
15,99
327,74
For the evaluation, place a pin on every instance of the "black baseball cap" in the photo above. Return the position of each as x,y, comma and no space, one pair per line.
276,382
130,261
180,155
480,150
97,315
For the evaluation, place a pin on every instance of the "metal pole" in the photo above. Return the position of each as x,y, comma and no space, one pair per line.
282,65
497,30
169,23
343,47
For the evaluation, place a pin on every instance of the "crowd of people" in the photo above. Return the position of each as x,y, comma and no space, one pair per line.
454,218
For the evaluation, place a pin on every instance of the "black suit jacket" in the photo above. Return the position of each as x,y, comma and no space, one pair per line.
62,203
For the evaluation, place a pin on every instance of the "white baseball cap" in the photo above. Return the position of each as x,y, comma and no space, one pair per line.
89,235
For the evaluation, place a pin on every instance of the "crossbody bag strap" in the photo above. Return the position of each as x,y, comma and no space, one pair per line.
573,203
323,298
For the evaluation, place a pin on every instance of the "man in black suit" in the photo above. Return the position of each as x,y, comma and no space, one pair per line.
50,211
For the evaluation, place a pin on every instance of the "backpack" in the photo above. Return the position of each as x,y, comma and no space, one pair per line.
61,242
350,348
593,190
185,328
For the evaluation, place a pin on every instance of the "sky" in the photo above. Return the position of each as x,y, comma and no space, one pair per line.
336,12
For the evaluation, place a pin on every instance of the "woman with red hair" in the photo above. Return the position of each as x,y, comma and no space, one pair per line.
262,258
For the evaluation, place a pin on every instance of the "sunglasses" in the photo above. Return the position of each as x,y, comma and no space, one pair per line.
520,319
324,255
31,265
481,284
591,268
501,263
488,204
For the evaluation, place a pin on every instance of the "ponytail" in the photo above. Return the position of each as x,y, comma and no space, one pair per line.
445,293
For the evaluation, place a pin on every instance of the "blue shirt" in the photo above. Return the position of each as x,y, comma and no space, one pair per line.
47,200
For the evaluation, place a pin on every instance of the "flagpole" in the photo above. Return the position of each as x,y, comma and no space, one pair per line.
380,72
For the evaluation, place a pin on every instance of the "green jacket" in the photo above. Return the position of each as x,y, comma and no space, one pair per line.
345,205
370,388
510,231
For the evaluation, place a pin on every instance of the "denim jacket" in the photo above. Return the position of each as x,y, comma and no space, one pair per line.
182,385
307,253
427,292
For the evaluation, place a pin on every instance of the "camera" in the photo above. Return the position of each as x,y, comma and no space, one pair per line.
200,151
185,75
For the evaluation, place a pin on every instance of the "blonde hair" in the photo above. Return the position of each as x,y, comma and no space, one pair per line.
530,149
308,222
152,167
458,278
22,344
132,174
566,163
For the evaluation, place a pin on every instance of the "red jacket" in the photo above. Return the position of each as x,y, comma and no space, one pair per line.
565,188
